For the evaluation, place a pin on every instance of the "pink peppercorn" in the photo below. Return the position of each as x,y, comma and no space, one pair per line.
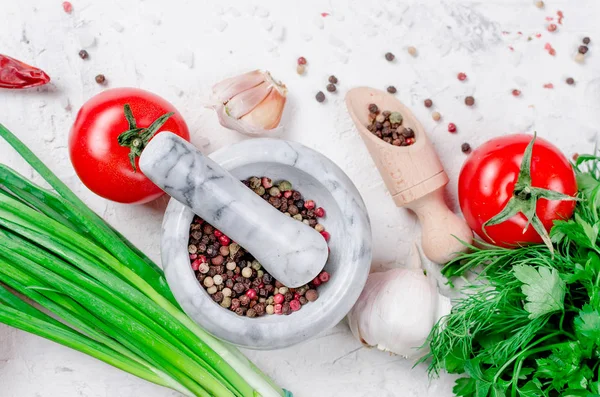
324,277
552,27
309,205
316,282
295,305
278,298
297,296
461,76
224,240
325,235
267,183
278,308
516,92
251,293
301,61
218,233
410,141
195,265
319,212
287,194
67,7
202,259
199,221
193,256
451,127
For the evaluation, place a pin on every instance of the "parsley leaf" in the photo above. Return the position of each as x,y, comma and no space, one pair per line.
587,324
543,288
464,387
561,364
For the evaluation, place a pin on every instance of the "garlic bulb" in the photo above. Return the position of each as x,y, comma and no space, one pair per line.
397,310
251,103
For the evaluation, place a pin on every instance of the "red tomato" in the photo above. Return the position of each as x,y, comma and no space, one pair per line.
100,162
487,181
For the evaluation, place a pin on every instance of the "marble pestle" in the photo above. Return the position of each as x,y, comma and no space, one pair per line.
289,250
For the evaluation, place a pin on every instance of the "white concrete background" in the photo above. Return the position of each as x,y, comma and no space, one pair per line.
179,48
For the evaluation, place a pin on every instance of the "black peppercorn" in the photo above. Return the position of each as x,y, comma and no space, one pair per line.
465,147
83,54
570,81
428,103
331,87
389,56
469,101
583,49
100,79
391,89
299,204
586,40
320,96
373,108
333,79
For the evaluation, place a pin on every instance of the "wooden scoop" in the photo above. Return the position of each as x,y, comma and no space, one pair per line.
413,174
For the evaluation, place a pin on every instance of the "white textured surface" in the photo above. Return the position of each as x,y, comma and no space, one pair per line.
178,49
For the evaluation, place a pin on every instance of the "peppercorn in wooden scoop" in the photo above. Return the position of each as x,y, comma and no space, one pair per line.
413,174
290,251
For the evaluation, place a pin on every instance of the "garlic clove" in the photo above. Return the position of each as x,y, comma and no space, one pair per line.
243,103
251,103
268,113
228,88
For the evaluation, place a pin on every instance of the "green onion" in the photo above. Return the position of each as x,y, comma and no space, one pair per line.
112,300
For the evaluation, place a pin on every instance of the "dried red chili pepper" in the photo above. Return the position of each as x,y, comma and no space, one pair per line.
16,74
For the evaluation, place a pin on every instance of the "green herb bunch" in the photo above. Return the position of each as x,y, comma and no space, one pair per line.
529,322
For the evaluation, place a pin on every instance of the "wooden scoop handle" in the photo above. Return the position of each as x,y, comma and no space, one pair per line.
441,228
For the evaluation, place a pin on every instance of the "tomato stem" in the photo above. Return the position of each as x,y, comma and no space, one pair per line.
136,138
525,198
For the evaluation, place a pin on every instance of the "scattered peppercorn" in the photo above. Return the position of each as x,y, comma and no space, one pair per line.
233,278
579,58
83,54
301,61
436,116
586,40
552,27
428,103
465,147
583,49
100,79
516,92
461,76
333,79
389,56
320,96
412,51
391,89
570,81
451,127
331,87
300,69
539,4
469,101
373,108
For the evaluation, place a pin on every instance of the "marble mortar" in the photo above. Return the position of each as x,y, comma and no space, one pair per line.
317,178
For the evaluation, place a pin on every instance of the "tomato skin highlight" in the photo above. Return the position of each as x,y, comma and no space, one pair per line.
99,161
487,180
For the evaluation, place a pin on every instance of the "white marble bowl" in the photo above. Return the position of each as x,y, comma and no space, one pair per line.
318,178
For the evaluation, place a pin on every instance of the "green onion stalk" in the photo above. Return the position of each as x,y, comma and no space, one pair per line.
112,301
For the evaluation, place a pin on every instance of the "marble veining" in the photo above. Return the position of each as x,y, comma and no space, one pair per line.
316,177
289,250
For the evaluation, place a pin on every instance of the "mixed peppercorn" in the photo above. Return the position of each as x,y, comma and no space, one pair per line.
234,278
388,126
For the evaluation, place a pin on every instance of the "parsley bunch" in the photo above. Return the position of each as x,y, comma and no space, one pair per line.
529,323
